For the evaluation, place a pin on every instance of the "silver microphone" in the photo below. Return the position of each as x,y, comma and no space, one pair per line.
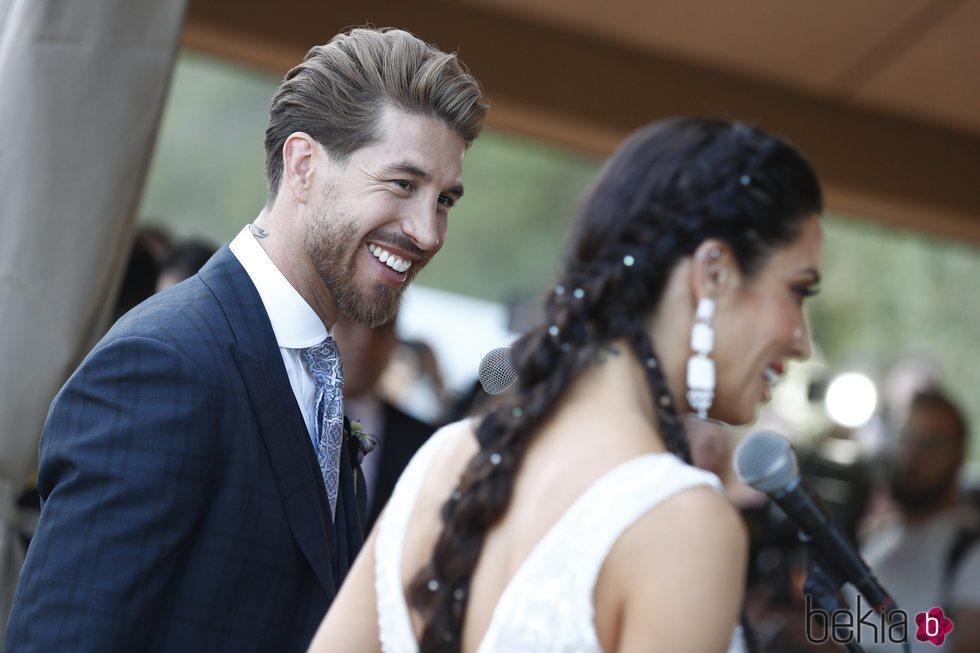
497,371
766,461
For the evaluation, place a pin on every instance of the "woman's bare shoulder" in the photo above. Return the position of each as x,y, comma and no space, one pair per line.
677,536
684,559
700,513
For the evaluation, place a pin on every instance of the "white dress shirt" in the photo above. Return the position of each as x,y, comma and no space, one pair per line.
294,322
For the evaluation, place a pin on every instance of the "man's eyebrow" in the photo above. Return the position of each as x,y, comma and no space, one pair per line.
408,169
404,167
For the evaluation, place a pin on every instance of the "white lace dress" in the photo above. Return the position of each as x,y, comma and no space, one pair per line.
547,606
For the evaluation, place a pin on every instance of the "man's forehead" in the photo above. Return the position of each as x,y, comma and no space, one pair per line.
929,423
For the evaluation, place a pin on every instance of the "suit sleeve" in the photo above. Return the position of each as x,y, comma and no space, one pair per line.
126,462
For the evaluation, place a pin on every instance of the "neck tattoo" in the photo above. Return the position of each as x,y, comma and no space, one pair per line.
258,232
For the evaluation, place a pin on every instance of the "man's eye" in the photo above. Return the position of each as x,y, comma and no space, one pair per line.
447,201
404,184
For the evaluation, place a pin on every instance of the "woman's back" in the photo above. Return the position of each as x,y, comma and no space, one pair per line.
540,584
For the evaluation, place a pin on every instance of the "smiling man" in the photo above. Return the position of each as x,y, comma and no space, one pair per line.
200,491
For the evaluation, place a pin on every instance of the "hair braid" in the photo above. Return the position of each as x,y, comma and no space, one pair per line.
440,591
668,188
670,425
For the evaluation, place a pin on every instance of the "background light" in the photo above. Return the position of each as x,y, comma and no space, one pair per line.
851,399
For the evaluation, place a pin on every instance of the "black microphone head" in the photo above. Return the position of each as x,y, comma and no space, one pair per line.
765,461
497,371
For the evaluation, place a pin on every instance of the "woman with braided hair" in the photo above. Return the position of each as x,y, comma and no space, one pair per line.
568,518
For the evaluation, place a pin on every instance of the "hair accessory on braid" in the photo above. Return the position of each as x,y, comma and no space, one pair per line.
652,363
578,293
553,331
495,459
517,412
565,347
745,180
560,290
664,400
628,260
433,585
459,594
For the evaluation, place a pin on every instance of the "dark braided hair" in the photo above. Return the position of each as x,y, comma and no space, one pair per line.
669,187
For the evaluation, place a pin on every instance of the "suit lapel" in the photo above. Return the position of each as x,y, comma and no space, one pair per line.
351,512
280,421
294,465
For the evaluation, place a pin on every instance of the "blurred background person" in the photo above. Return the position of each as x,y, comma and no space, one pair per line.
928,554
412,380
184,260
366,353
157,240
139,280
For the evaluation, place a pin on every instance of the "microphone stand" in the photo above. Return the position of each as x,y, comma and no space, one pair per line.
824,586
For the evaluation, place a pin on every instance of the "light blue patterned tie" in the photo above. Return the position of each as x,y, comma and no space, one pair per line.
323,361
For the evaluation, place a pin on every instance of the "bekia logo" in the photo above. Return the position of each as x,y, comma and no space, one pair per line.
933,626
844,626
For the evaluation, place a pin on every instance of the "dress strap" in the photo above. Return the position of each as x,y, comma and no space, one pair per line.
551,593
617,500
394,623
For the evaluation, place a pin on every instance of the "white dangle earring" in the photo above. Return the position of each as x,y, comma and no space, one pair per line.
700,368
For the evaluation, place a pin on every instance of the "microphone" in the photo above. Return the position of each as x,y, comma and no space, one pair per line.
497,371
766,462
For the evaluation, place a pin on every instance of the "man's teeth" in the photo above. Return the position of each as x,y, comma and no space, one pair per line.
389,259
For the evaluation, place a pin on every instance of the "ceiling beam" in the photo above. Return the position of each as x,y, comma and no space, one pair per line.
582,92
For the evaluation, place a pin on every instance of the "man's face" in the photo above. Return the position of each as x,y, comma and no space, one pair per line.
382,214
928,458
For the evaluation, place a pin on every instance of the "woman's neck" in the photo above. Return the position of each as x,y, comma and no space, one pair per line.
610,399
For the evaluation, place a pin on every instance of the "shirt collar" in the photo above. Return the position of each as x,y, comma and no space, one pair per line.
294,322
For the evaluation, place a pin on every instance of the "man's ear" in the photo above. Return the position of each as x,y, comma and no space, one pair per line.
299,154
714,270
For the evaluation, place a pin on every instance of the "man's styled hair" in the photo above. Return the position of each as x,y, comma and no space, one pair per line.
337,95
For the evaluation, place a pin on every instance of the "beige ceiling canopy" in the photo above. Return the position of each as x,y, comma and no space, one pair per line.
884,95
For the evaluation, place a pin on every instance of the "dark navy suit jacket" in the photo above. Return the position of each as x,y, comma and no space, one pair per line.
183,508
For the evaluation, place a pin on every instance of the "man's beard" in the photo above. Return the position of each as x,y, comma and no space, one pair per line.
917,500
332,245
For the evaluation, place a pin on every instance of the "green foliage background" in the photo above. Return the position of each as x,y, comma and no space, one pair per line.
887,293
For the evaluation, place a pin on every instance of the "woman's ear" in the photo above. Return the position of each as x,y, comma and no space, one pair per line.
713,269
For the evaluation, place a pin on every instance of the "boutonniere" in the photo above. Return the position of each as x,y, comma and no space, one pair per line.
365,443
354,433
